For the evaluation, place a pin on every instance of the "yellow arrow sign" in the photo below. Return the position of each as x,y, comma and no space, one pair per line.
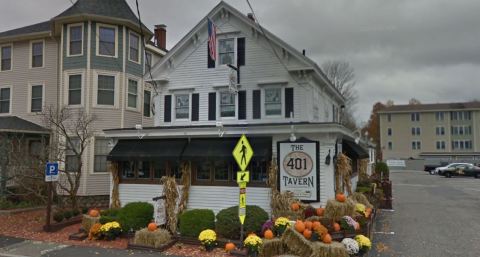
243,176
243,201
241,214
243,153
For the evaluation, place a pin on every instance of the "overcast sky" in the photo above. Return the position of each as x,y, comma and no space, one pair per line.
427,49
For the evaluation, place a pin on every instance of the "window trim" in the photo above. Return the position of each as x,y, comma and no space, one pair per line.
219,111
235,50
389,132
282,102
10,101
30,92
67,88
31,53
174,106
115,88
92,170
139,47
68,39
137,109
11,56
143,104
97,40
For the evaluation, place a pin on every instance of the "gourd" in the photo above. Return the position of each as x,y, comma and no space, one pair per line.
229,246
93,213
307,233
336,227
308,225
268,234
295,206
327,239
152,226
299,226
340,197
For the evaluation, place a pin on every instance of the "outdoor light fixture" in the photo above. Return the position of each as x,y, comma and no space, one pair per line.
293,138
221,130
139,127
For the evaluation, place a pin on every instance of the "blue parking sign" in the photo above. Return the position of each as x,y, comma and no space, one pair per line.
51,172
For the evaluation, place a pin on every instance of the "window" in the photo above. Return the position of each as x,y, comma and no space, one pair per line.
221,170
106,41
226,51
258,170
128,169
415,116
389,117
390,145
460,130
148,62
75,35
5,100
182,106
440,145
106,90
6,55
101,152
453,115
389,131
273,101
416,145
440,131
132,93
143,169
227,104
415,131
147,98
71,159
37,98
75,89
134,46
203,170
439,116
37,54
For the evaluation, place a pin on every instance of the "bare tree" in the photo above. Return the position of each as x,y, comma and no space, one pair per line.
342,76
414,101
72,130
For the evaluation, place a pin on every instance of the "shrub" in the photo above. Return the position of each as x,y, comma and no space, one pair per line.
135,216
67,214
110,212
106,219
382,169
84,210
192,222
228,223
75,212
58,217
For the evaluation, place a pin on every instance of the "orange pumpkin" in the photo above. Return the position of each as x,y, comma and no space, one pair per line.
316,225
320,211
341,197
308,225
336,227
307,233
327,239
299,226
93,213
268,234
295,206
229,247
152,226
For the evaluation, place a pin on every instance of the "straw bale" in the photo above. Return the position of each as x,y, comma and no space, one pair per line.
336,210
153,239
334,249
360,198
88,221
272,247
296,243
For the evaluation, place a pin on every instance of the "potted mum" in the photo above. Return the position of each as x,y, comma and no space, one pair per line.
281,224
253,244
208,238
110,230
364,243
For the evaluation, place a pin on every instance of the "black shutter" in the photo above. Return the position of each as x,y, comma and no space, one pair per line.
288,102
195,106
167,116
256,104
210,61
212,106
242,105
241,51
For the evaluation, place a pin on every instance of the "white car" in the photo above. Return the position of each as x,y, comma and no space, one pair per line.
449,167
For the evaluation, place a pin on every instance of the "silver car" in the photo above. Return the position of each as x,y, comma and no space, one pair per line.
450,167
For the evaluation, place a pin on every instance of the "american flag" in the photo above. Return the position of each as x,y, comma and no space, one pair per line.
212,39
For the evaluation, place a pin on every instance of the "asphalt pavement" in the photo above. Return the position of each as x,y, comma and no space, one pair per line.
433,216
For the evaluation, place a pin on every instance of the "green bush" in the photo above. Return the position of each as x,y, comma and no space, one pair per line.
135,216
382,169
84,210
58,217
110,212
228,223
192,222
106,219
75,212
67,214
362,189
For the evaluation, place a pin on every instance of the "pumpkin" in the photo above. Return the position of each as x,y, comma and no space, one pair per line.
307,233
93,213
357,226
308,225
295,206
340,197
299,226
268,234
229,247
152,226
336,227
327,239
320,211
316,225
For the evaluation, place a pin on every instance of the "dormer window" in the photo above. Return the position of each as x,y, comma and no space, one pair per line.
107,41
75,40
226,51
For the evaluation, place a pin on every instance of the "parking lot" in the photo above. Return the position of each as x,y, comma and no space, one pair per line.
433,216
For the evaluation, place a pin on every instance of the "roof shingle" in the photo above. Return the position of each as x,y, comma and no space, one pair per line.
431,107
39,27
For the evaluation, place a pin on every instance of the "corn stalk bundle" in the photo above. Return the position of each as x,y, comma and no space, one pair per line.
272,247
115,188
154,239
343,174
335,210
186,177
171,194
296,243
363,169
360,198
272,175
334,249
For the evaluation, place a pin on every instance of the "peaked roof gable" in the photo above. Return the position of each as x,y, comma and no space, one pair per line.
35,29
16,124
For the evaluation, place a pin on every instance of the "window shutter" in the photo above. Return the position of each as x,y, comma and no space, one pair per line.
212,106
210,61
195,106
167,117
256,104
289,102
241,51
242,105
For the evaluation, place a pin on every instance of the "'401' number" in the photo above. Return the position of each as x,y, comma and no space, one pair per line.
297,163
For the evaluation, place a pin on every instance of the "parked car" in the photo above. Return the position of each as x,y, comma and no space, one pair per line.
449,167
466,169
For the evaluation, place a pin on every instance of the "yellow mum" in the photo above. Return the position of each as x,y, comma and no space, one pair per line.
207,236
363,241
282,221
360,208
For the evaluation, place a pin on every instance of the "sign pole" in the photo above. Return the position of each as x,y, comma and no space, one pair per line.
49,205
51,174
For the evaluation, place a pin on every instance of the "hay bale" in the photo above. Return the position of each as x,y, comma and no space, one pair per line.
154,239
296,243
334,249
336,210
88,221
272,247
360,198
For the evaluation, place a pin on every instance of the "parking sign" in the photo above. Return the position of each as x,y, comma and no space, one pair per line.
51,172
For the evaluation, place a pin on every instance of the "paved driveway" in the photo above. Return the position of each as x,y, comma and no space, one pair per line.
434,216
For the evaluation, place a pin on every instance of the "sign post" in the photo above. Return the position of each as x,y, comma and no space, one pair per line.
51,175
242,153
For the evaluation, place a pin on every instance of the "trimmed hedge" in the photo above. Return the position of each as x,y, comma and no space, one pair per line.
228,223
192,222
135,216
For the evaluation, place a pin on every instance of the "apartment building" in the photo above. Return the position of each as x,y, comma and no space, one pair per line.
444,132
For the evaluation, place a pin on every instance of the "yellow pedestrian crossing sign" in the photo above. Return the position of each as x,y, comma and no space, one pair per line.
243,153
243,176
243,201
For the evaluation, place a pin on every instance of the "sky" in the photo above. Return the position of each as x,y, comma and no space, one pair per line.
426,49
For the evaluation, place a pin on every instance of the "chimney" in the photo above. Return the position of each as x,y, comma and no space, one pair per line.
250,16
303,52
161,36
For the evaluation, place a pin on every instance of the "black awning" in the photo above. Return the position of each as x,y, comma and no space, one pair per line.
354,150
147,150
222,148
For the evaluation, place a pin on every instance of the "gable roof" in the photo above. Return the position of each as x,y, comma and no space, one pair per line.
261,30
16,124
35,28
430,107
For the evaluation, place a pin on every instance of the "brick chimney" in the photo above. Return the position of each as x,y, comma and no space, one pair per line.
161,36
